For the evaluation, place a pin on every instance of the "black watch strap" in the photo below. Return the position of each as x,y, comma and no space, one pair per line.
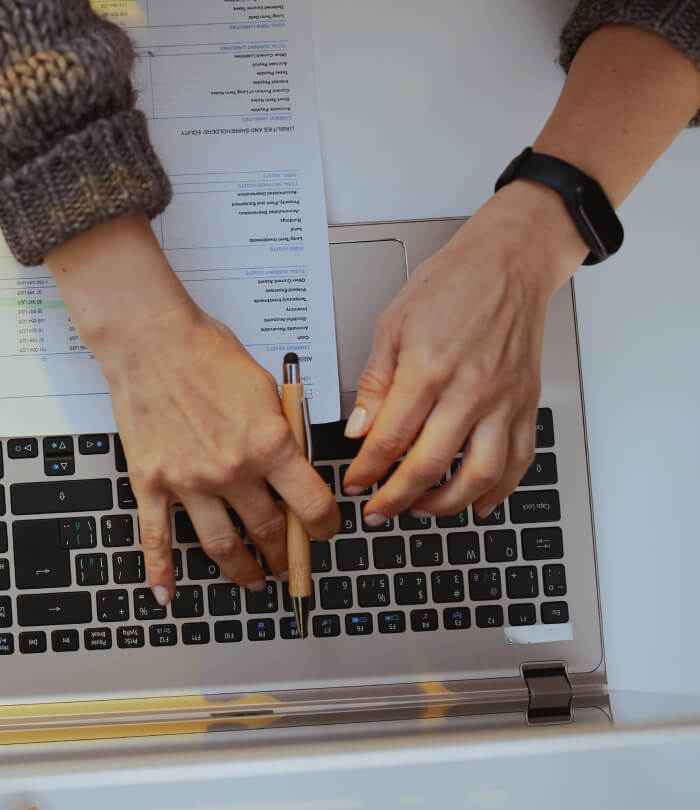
585,200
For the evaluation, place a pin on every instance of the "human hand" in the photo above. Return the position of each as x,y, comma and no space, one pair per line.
457,355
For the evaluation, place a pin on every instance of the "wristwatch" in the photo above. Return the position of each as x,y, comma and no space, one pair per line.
585,200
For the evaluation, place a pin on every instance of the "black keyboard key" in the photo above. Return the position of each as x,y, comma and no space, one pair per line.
489,616
94,444
554,612
3,505
224,599
496,518
177,564
426,549
228,632
326,626
130,637
521,614
484,583
3,537
409,523
391,622
125,495
287,599
423,621
199,566
119,457
463,548
544,428
542,471
195,633
448,586
113,606
351,555
188,602
320,557
288,627
328,476
521,582
38,610
32,642
389,552
7,644
5,611
358,624
4,574
97,638
534,506
343,469
456,618
261,629
22,448
543,543
145,606
264,601
78,532
92,495
2,467
40,562
128,567
501,546
410,589
373,590
454,521
65,640
162,635
58,446
117,530
91,569
336,593
184,530
387,526
554,579
348,517
59,465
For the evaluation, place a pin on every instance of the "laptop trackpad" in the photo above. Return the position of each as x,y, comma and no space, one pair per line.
366,277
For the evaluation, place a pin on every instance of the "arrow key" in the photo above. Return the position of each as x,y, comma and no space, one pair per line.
22,448
59,465
58,446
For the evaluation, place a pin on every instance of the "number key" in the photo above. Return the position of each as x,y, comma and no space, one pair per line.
373,590
410,589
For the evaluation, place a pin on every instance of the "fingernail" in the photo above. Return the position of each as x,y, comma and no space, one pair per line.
354,490
356,423
284,576
421,513
375,519
258,585
161,594
485,511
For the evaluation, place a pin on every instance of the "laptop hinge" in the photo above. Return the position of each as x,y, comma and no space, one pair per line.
549,693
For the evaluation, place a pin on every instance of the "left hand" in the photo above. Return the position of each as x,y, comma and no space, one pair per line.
457,355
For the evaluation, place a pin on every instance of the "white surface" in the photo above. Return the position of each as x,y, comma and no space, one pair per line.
421,106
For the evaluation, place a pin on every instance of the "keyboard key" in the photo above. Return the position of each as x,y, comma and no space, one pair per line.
543,543
184,530
426,549
119,457
32,642
336,593
320,557
542,471
38,610
389,552
77,532
288,627
130,637
287,599
261,629
408,523
521,614
454,521
228,632
4,574
264,601
544,429
351,555
496,517
328,476
2,468
501,546
554,612
463,548
456,618
199,566
40,562
94,444
162,635
98,638
348,517
188,602
5,611
145,606
326,626
3,537
448,586
7,644
128,567
484,583
224,599
113,606
195,633
177,564
392,622
3,505
424,620
489,616
521,582
554,579
358,624
65,640
91,569
410,589
117,530
58,446
22,448
534,506
373,590
59,465
125,495
387,526
343,469
92,495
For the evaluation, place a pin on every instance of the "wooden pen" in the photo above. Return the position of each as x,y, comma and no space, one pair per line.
298,548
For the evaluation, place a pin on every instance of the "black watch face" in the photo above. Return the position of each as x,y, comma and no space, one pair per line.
599,219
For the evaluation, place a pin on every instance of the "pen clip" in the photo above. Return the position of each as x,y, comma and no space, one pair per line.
307,430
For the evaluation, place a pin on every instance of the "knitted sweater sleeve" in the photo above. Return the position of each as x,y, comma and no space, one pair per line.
73,150
676,20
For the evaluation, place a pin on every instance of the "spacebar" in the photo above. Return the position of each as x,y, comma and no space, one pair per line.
47,497
53,608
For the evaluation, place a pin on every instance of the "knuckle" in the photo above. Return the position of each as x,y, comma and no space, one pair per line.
219,546
268,529
372,383
147,480
429,470
153,538
319,507
158,567
274,441
486,477
390,445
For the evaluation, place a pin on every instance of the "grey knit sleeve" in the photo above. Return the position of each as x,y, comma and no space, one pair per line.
676,20
73,150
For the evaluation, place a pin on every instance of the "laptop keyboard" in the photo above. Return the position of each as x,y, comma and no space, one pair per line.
72,576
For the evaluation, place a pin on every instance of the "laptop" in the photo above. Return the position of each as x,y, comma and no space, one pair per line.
492,622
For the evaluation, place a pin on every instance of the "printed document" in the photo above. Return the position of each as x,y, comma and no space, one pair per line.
228,89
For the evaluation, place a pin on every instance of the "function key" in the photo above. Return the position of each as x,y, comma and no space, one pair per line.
351,555
32,642
409,523
535,506
358,624
544,428
389,552
387,526
78,532
373,590
119,457
392,622
7,644
426,549
98,638
59,465
94,444
410,589
348,517
484,583
456,618
130,637
424,620
336,593
501,546
463,548
287,599
542,471
326,626
195,633
261,629
554,579
117,530
343,469
228,632
520,615
448,586
543,544
489,616
554,612
521,582
125,495
496,517
320,556
5,611
22,448
288,627
58,446
454,521
65,640
162,635
326,472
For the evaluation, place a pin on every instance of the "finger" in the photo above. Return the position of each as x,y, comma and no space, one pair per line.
221,542
156,542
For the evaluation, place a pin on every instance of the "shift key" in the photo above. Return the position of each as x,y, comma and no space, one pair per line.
37,610
61,496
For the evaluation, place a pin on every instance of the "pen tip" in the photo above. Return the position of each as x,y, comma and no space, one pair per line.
291,357
302,605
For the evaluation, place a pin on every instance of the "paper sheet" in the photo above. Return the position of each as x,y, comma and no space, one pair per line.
228,88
